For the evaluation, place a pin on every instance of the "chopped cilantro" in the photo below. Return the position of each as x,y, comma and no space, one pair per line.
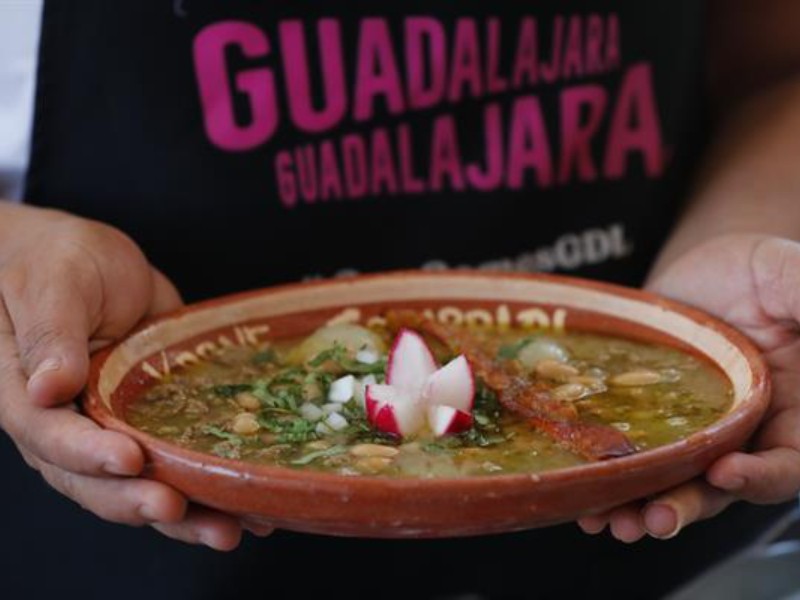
291,429
229,437
312,456
338,354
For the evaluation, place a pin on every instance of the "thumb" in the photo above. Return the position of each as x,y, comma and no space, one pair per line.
50,318
52,337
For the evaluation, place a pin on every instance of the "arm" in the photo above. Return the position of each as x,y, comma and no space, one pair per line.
750,181
732,255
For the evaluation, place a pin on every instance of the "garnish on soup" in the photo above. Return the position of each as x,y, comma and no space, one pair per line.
355,400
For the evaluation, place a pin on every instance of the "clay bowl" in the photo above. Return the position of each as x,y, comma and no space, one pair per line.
383,507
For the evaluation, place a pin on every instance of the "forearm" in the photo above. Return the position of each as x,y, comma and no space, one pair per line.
750,180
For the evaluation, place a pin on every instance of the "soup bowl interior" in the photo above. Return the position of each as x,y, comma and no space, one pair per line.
376,506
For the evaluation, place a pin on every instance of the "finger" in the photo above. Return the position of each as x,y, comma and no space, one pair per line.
764,477
205,526
257,528
593,524
668,513
50,323
128,501
775,264
59,436
62,437
626,523
165,295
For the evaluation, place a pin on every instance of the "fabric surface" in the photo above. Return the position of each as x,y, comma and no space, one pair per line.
19,38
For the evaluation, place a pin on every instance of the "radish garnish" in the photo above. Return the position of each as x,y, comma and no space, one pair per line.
393,410
452,385
417,393
446,419
411,362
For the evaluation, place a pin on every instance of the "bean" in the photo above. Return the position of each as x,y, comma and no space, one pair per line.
592,383
570,391
268,438
248,401
317,445
636,378
369,450
552,369
245,424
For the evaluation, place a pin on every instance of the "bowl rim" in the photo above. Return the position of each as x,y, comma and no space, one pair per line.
752,406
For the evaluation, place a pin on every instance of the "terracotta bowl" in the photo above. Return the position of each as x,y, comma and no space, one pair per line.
382,507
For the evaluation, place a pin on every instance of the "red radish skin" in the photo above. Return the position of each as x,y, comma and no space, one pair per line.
394,411
452,385
411,362
417,390
445,419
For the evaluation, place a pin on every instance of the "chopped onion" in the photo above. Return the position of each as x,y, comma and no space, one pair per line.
342,389
336,421
311,412
367,356
323,429
331,407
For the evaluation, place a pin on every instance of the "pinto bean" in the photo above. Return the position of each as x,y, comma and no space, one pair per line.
245,424
557,371
370,450
248,401
636,378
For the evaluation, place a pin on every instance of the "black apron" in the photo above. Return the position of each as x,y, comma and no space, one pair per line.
246,142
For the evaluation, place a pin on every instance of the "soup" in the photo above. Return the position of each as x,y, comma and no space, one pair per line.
311,403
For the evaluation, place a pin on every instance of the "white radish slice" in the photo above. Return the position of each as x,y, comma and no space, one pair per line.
394,410
452,385
410,362
342,389
446,419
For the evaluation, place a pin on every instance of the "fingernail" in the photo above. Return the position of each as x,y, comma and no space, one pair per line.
46,366
149,512
260,530
207,539
659,517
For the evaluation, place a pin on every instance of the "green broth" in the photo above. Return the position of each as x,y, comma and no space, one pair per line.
197,408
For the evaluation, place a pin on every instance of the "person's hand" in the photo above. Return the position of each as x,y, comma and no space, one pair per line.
753,283
68,286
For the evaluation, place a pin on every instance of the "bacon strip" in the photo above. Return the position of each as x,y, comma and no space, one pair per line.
530,399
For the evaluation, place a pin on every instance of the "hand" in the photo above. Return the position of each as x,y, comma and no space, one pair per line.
753,283
69,286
